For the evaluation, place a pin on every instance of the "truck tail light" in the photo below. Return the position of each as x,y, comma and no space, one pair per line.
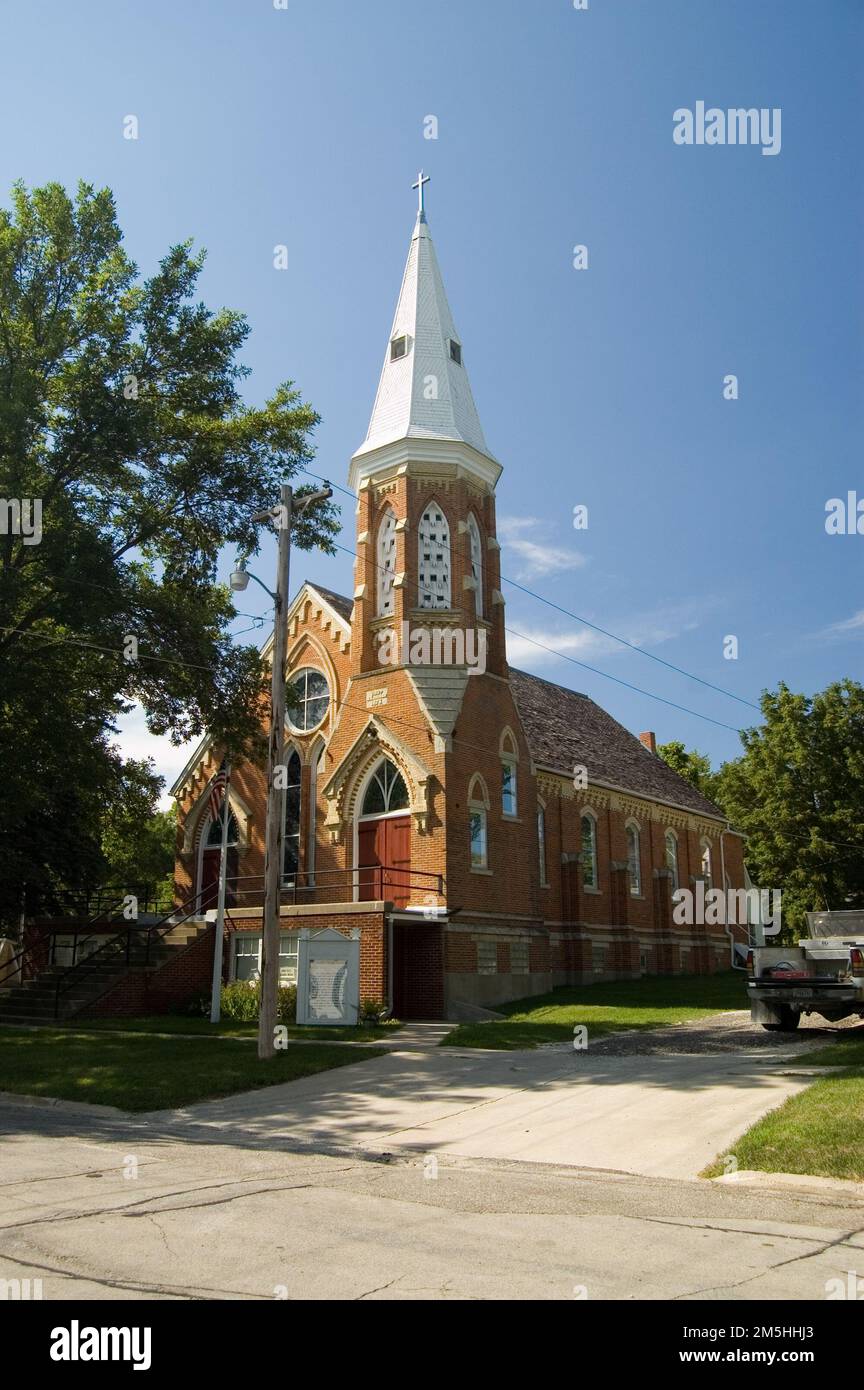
750,963
856,960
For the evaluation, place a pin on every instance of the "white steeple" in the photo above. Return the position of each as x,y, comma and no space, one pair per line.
424,392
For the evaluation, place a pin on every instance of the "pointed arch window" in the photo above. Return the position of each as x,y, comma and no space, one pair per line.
541,842
214,832
433,559
291,818
589,850
634,860
386,791
316,773
672,857
706,863
385,559
478,808
476,548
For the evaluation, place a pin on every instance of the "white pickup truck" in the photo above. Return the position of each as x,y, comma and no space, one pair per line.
823,974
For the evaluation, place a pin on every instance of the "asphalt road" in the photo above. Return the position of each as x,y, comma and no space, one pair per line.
429,1174
197,1221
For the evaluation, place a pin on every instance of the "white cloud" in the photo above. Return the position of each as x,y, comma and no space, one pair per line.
584,644
526,538
854,624
135,741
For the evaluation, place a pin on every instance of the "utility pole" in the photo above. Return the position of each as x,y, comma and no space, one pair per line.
283,516
219,924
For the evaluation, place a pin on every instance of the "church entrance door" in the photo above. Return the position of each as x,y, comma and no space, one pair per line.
384,859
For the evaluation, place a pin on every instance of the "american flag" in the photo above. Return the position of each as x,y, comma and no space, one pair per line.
217,790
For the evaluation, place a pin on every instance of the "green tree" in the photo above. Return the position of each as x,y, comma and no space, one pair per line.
798,794
121,417
137,839
694,766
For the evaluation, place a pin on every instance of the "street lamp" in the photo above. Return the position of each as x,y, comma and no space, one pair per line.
282,516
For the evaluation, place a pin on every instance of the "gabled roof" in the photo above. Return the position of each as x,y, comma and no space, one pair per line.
338,602
423,394
565,728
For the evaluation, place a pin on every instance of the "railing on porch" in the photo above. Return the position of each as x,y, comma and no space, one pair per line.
326,886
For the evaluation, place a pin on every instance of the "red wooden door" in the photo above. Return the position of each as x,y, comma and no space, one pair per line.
209,891
384,859
397,857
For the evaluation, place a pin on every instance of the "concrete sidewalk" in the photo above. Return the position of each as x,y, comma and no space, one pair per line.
659,1116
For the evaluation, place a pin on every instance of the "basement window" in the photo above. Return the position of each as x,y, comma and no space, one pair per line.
487,957
398,348
455,352
519,957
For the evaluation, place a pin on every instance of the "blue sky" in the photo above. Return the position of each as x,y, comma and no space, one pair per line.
604,387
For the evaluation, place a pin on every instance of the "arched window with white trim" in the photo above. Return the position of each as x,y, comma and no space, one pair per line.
705,862
478,822
385,559
509,774
476,548
634,859
433,559
589,850
672,857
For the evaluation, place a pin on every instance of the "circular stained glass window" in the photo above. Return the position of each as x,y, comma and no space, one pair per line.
306,700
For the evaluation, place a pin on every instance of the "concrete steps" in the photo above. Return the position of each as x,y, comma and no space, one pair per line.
36,1001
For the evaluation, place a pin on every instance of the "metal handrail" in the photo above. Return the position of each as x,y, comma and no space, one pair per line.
85,902
155,929
29,951
384,875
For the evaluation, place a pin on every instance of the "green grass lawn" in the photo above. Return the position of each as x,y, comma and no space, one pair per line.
178,1023
819,1132
605,1008
141,1072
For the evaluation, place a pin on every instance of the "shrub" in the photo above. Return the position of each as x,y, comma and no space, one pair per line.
241,1001
372,1011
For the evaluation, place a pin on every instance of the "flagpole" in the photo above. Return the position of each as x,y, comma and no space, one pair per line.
216,996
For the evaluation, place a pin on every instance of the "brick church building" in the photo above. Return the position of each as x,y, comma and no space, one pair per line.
489,833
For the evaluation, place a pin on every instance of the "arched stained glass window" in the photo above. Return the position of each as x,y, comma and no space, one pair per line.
634,860
214,833
307,699
433,559
291,824
541,844
706,863
386,791
589,850
672,857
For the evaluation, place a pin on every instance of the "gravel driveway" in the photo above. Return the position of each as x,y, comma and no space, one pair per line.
730,1032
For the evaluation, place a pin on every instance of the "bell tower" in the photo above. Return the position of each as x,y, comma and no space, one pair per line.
428,568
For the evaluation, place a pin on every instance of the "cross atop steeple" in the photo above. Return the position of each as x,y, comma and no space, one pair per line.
421,201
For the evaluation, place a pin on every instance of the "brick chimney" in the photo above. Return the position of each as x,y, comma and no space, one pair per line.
649,741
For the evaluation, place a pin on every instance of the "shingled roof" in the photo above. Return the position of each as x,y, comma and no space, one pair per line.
565,728
343,606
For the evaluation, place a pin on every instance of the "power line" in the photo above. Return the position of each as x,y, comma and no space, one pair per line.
606,632
683,709
346,704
